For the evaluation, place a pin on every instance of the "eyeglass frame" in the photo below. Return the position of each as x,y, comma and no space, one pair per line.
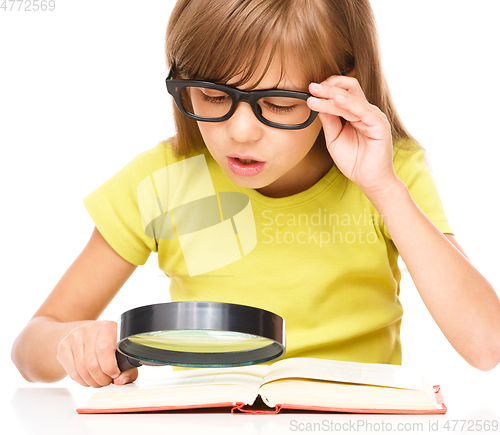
174,87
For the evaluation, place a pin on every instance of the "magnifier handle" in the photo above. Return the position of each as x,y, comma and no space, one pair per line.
125,362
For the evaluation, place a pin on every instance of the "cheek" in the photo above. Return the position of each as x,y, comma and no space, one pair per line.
302,139
205,130
306,138
315,127
211,133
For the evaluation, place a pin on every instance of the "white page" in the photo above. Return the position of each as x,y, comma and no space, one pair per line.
387,375
250,376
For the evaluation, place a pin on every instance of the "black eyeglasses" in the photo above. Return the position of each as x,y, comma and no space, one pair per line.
212,102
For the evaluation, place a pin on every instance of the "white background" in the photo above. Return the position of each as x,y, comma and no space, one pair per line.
82,92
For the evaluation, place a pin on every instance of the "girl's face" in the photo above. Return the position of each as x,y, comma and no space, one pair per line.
289,161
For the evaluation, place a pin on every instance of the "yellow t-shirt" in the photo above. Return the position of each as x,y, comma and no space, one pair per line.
322,259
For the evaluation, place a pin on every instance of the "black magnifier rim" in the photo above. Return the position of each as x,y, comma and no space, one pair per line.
207,316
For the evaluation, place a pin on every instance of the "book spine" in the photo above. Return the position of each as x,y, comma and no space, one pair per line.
240,409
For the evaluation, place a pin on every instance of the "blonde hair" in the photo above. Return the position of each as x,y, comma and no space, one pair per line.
216,40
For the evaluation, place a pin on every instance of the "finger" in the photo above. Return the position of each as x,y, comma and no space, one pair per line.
76,340
81,368
364,116
105,348
67,360
335,93
338,94
349,84
127,376
92,364
332,106
332,126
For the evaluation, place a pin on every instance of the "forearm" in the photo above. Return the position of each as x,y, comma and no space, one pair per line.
460,299
35,350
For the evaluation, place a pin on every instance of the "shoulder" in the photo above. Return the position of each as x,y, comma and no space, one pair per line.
154,159
164,154
159,156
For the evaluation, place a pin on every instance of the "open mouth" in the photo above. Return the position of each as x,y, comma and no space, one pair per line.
246,161
246,167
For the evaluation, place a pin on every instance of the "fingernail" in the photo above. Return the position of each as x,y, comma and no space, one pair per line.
314,100
315,85
339,97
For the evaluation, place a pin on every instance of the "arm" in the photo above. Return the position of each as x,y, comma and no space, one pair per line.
63,336
463,303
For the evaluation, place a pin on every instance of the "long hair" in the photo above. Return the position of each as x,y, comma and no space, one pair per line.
216,40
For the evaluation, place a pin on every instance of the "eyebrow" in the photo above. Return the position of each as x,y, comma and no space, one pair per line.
268,89
294,90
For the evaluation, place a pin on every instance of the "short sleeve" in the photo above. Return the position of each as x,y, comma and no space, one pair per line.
412,168
115,211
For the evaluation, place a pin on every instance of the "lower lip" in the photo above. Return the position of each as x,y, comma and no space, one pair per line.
245,169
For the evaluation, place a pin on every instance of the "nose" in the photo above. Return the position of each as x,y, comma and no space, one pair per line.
243,126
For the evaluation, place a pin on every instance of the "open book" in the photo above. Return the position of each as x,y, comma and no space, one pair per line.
295,383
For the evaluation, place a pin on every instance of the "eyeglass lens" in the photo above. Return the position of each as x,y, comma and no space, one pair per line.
212,103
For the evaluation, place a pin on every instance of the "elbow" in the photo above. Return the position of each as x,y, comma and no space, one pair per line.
485,365
481,348
17,357
32,374
487,358
28,368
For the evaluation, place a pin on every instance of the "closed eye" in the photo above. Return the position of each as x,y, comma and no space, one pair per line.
213,100
279,109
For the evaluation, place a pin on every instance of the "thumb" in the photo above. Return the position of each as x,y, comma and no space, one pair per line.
127,376
332,127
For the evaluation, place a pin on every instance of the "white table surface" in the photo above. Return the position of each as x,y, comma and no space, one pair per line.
43,409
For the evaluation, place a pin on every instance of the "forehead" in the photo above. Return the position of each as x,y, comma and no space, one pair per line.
281,74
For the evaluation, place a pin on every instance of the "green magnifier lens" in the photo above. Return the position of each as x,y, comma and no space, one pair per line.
199,334
200,341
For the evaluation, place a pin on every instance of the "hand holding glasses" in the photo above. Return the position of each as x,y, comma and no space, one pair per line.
212,102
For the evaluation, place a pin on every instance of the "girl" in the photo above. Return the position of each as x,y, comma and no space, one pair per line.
291,185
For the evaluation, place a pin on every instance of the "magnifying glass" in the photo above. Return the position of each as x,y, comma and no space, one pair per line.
199,334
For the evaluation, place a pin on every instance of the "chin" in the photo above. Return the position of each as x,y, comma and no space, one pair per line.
247,182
